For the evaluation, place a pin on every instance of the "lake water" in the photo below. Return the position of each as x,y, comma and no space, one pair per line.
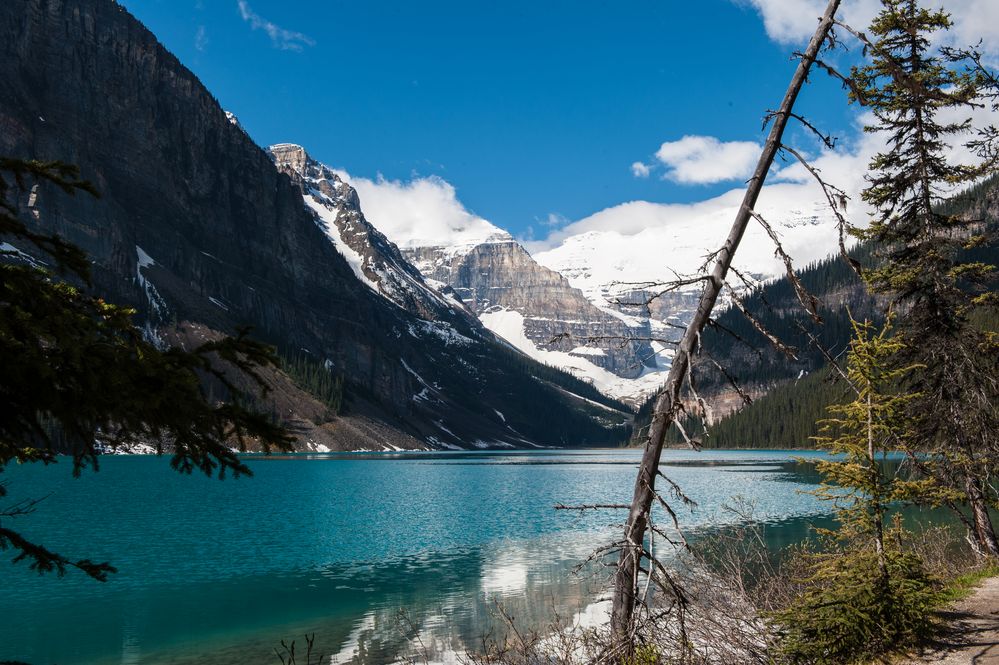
377,554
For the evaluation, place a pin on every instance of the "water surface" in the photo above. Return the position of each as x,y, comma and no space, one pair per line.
378,554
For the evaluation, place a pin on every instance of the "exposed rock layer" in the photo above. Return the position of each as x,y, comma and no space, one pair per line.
502,274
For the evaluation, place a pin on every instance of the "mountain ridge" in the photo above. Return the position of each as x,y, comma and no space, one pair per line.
197,227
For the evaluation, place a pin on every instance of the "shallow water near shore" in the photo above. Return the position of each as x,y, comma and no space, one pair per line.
380,555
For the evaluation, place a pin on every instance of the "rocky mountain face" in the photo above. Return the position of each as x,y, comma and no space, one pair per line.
501,275
649,271
485,274
375,260
198,230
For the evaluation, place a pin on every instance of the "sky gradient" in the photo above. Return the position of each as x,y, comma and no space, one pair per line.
535,112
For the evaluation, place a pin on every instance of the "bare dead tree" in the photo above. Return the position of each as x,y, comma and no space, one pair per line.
668,403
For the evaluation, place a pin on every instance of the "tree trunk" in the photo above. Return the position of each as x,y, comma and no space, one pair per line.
984,533
876,497
668,402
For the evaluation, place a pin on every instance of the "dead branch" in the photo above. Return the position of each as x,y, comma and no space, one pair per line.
807,300
846,81
746,399
837,199
827,140
717,325
760,328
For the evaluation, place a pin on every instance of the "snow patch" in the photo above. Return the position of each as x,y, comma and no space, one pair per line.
441,330
218,303
588,351
7,249
157,305
327,218
434,441
509,324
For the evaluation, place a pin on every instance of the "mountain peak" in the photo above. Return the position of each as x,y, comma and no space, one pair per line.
292,156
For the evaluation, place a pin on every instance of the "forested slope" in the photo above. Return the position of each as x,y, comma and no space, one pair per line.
792,393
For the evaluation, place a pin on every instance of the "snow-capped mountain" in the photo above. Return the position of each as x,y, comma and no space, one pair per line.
469,269
627,253
375,260
587,299
637,244
538,311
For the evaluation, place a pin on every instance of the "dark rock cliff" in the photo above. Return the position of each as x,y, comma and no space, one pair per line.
195,224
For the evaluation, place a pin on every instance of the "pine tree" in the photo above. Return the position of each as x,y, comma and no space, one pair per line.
865,595
76,375
909,87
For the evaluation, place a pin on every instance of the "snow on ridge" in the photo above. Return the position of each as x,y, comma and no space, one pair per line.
156,303
327,219
9,250
509,325
231,117
440,329
612,251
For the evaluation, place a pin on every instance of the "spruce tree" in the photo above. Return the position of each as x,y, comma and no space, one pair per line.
76,376
865,595
910,87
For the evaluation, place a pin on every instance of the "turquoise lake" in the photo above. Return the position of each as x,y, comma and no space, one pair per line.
374,553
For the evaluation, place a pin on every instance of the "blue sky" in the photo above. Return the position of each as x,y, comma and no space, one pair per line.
534,111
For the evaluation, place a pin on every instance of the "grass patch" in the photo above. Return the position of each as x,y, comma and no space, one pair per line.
963,585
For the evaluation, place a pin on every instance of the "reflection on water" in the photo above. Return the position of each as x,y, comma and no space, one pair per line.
381,556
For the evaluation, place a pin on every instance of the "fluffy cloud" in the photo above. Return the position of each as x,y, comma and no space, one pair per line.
701,160
640,170
421,212
794,21
287,40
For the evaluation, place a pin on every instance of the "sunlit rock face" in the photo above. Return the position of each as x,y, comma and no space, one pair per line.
375,260
501,275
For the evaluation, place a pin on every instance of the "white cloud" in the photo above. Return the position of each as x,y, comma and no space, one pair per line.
701,160
555,220
421,212
287,40
794,21
640,170
790,20
201,38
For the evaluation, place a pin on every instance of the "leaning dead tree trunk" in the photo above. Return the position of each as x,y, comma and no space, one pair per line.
668,404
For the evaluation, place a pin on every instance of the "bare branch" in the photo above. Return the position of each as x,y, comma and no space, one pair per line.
827,140
837,199
760,328
807,300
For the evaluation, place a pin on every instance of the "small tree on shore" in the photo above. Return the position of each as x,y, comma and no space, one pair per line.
865,594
